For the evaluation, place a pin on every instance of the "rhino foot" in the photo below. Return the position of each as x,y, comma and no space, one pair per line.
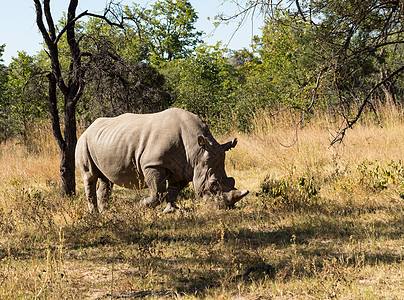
149,202
170,208
93,209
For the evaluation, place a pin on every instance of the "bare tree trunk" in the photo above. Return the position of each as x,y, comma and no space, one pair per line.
68,143
71,91
67,162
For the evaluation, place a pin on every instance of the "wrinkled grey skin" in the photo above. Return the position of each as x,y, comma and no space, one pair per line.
163,151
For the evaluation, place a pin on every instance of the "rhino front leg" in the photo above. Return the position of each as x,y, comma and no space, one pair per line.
172,193
103,192
156,181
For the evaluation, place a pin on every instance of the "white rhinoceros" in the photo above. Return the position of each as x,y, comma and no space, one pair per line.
165,151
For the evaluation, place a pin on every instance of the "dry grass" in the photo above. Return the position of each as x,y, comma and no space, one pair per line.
267,152
35,161
334,229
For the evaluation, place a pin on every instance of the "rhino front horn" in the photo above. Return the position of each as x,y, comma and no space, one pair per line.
235,196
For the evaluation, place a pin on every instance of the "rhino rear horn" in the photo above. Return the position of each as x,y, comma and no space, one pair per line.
229,145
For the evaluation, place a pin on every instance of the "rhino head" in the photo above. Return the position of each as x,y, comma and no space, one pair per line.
210,180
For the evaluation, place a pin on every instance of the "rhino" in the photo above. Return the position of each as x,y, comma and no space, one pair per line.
163,151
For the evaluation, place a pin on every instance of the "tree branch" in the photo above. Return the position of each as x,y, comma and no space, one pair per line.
53,50
109,22
69,24
300,10
70,32
341,133
49,20
39,22
83,14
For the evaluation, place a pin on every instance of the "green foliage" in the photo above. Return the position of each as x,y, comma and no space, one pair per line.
166,29
1,52
2,68
99,36
25,95
285,77
328,59
303,191
290,193
376,177
118,75
205,84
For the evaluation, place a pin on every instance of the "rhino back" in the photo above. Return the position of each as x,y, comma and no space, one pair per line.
123,147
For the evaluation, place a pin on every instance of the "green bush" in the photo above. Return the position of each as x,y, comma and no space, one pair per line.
376,177
290,192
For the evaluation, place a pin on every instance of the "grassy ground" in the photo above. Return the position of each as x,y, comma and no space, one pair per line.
329,220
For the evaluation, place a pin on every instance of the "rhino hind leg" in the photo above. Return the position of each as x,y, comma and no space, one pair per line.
90,190
103,192
156,181
170,208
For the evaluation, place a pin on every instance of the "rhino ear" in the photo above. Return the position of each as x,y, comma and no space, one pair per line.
229,145
203,143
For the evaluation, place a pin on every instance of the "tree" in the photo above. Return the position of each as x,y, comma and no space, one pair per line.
3,110
205,83
356,36
25,93
70,83
285,77
119,79
167,29
351,40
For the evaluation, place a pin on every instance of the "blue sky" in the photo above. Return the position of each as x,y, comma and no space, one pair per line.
19,32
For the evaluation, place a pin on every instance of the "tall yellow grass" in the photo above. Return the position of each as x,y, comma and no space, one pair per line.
275,148
35,159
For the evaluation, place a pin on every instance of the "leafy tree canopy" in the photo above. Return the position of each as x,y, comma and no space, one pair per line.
348,43
3,73
167,29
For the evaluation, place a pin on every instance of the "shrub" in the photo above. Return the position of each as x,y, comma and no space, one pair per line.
376,177
290,192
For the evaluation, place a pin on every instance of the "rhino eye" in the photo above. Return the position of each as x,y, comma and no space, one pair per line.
214,185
